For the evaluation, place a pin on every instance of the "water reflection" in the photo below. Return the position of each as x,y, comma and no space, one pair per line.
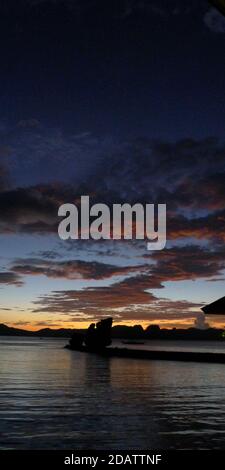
55,398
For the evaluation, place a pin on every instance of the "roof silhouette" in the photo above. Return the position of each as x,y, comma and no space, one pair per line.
219,4
215,308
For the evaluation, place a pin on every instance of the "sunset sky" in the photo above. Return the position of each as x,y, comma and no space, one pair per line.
123,101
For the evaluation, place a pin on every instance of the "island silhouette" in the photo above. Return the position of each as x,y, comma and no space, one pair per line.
98,337
124,332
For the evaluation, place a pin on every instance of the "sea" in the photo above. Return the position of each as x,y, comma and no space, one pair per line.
53,398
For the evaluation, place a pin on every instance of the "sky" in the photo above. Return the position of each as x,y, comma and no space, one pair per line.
123,101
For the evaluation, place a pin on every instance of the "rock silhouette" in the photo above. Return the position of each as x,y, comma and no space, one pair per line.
97,337
76,341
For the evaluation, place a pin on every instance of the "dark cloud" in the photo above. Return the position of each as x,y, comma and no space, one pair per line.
143,168
64,156
163,8
72,269
174,264
28,123
126,8
32,210
215,21
46,254
3,177
202,192
5,151
181,174
209,227
10,278
189,262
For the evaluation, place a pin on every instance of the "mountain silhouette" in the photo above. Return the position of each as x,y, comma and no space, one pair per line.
131,333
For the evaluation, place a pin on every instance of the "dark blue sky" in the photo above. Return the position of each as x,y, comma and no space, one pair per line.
123,100
121,68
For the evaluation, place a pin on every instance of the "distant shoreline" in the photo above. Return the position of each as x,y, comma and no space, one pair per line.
131,333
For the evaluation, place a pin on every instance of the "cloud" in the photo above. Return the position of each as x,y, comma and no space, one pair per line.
3,177
72,269
142,168
172,264
132,298
33,209
203,192
47,254
215,21
28,123
33,146
66,2
96,301
200,322
163,8
10,278
188,263
126,301
5,151
210,227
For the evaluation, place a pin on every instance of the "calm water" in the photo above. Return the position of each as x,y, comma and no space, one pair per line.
54,398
